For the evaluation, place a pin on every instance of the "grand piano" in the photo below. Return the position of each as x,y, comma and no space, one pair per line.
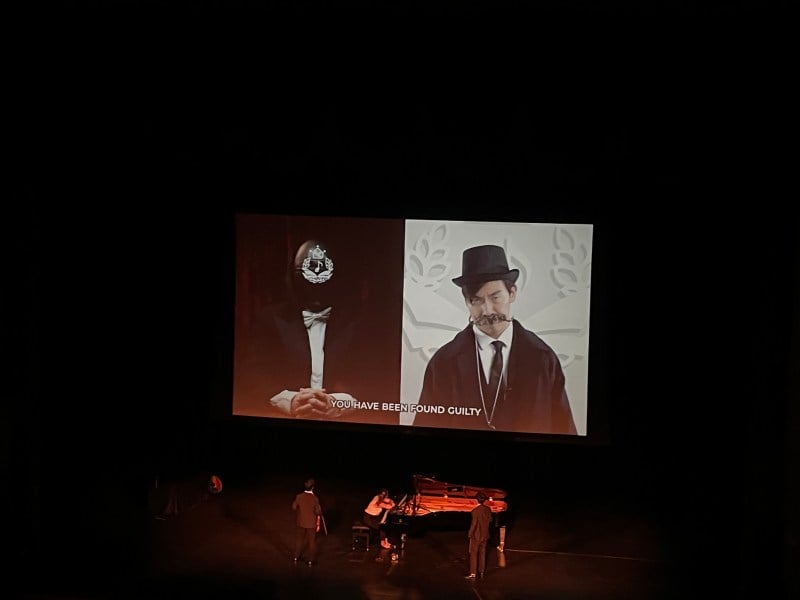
432,498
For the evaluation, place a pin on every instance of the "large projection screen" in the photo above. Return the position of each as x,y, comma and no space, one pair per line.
389,285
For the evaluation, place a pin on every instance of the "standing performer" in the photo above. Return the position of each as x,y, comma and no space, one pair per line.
307,519
480,520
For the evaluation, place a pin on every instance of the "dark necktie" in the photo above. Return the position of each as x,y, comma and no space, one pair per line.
496,371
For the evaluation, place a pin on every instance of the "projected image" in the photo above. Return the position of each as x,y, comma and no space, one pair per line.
472,288
318,318
413,323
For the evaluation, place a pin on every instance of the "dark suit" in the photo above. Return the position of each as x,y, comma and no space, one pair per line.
535,400
307,509
480,519
276,356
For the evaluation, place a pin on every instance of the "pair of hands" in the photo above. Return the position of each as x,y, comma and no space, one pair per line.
314,403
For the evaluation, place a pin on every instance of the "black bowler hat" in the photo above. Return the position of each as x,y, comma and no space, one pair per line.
484,263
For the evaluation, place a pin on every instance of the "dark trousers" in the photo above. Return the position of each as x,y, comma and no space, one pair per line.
374,523
477,556
305,543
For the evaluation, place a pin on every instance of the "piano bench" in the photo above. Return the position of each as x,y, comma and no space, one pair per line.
361,536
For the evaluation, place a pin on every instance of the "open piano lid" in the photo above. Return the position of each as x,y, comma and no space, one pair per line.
434,496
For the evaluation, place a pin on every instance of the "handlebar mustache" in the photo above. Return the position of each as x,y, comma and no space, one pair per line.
490,319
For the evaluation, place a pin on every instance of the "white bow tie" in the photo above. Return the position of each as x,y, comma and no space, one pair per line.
309,318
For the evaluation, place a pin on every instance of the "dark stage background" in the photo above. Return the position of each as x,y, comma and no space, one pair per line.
118,308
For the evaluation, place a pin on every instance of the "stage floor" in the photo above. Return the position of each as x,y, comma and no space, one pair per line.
238,544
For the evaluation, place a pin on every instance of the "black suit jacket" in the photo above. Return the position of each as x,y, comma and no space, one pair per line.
480,521
276,356
306,507
535,400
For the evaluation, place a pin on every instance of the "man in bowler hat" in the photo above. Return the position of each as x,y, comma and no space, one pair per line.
494,374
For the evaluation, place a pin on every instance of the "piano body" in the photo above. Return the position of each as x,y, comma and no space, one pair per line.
432,497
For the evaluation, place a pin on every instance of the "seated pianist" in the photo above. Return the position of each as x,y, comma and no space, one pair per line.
375,513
